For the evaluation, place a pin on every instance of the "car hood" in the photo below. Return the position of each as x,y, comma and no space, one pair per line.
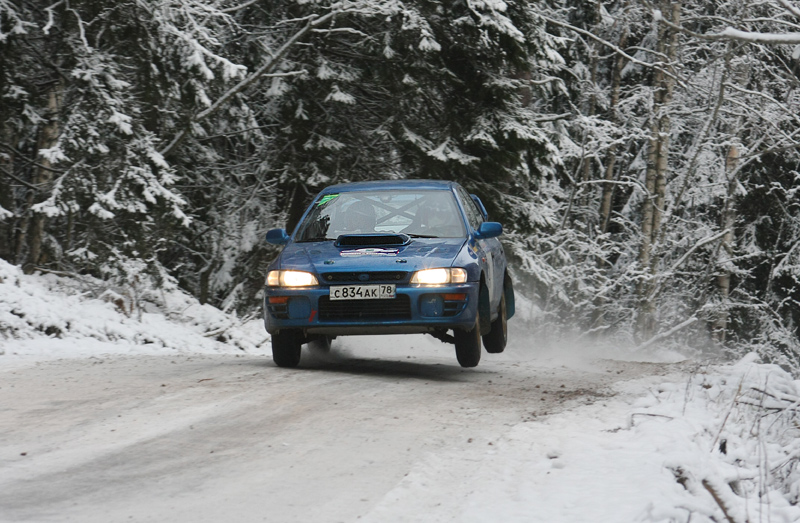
420,253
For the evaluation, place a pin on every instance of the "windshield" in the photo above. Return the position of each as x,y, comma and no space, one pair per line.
429,214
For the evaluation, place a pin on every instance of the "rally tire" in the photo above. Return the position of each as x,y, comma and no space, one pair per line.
468,346
286,348
495,341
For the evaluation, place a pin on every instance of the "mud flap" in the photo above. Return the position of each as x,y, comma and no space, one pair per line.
508,290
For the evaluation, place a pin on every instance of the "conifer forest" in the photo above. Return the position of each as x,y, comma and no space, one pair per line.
643,156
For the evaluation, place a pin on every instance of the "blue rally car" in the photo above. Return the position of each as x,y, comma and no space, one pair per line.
390,257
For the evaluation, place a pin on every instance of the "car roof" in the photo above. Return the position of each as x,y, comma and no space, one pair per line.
389,185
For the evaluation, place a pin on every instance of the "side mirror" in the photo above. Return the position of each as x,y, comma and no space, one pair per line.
481,208
277,237
489,230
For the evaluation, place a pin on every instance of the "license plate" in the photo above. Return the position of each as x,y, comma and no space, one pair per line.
362,292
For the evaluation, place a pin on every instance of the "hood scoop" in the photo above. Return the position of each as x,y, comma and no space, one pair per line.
371,240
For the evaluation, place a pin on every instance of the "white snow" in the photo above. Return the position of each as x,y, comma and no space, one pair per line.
47,316
616,460
340,96
123,122
677,442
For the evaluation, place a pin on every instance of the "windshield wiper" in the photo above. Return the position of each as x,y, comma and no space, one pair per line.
420,235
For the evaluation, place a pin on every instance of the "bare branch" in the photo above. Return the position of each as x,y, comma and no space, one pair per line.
790,7
238,7
718,499
667,334
19,180
81,31
608,44
729,33
342,30
625,183
49,10
696,246
552,118
545,81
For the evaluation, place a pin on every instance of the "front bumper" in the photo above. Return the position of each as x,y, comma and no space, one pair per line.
415,309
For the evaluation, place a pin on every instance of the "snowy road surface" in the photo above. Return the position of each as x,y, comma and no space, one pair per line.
194,438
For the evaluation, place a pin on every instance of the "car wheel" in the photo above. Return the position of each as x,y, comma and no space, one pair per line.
286,348
468,345
495,341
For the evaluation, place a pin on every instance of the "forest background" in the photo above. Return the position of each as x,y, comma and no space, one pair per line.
642,156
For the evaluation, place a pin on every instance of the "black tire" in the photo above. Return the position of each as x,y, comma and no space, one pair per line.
468,345
286,349
495,341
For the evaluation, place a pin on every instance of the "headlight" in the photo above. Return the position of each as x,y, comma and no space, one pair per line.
291,279
439,276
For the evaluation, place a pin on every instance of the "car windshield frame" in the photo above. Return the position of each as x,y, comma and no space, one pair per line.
418,213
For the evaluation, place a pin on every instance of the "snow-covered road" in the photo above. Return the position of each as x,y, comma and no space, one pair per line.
191,438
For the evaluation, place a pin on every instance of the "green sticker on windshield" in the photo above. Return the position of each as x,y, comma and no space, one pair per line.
325,199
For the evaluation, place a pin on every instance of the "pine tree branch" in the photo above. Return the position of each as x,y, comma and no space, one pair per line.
272,63
30,162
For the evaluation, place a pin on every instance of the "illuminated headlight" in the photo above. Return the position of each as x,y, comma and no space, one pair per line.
291,279
440,276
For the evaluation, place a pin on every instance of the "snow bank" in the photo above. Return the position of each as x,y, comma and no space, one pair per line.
729,437
86,311
720,446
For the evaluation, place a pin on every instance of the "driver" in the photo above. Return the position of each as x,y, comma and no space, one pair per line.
359,216
436,216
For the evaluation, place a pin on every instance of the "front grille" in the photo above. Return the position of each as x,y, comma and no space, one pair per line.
364,277
398,308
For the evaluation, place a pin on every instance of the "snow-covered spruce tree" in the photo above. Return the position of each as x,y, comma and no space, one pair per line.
98,86
13,60
230,151
426,90
768,290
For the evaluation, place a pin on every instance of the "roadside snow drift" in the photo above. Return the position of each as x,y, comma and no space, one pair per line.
38,308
